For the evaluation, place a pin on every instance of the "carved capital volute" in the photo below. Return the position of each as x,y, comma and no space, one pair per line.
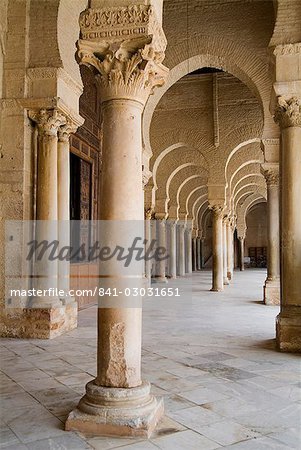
271,174
125,45
288,112
48,121
64,131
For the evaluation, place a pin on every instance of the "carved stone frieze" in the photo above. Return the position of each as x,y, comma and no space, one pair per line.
288,112
125,46
287,49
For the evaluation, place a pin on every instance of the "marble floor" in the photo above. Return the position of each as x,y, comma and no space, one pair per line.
210,355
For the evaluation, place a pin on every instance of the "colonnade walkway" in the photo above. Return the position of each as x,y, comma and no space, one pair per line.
210,355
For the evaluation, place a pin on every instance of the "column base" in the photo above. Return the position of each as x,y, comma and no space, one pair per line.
288,331
159,280
39,322
226,282
271,292
116,411
216,289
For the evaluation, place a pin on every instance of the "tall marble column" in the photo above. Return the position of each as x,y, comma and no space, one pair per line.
181,249
118,401
46,271
241,253
160,276
63,174
225,252
217,249
172,249
288,322
148,239
230,249
188,247
272,284
198,253
202,252
51,317
194,254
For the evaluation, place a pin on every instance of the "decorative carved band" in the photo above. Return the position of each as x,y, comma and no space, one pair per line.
126,47
48,121
287,49
119,23
288,112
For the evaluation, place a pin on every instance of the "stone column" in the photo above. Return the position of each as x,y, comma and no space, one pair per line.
202,252
272,284
181,252
63,174
118,401
160,276
46,271
194,254
217,249
230,249
188,268
198,253
225,252
288,322
50,316
148,239
241,253
173,249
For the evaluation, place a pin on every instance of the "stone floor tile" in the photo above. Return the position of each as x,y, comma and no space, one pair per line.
264,443
231,407
144,445
291,392
32,424
227,432
290,437
222,371
270,421
68,441
7,437
108,443
189,440
195,417
175,403
217,356
202,395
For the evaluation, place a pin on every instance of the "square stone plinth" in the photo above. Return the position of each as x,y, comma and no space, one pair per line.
139,421
288,333
39,323
271,293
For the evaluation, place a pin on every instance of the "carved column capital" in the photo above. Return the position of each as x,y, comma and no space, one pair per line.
271,174
288,112
64,131
217,210
125,45
149,214
48,121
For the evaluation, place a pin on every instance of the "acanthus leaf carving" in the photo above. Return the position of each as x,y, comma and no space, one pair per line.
48,120
288,112
127,66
